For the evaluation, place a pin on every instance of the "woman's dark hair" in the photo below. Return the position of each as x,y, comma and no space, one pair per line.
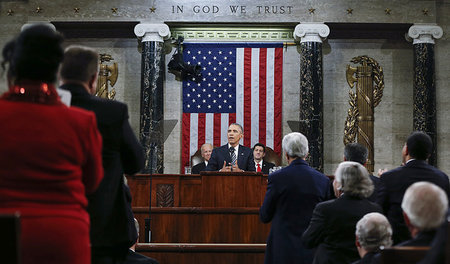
35,54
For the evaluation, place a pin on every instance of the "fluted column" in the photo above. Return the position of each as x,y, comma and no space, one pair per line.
311,88
151,132
424,113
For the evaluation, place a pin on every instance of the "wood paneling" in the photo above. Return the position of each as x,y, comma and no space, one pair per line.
203,225
209,189
204,253
219,212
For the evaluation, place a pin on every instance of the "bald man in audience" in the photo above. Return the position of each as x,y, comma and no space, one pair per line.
393,184
373,232
206,151
424,207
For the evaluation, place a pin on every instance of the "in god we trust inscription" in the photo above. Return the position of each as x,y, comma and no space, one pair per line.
233,9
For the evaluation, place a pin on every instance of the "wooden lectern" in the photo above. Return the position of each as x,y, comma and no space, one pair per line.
207,214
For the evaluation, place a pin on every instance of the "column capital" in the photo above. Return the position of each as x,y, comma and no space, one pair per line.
311,32
425,33
152,32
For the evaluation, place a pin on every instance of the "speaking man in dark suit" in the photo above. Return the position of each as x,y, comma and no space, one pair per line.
292,193
394,183
259,152
206,151
232,156
112,225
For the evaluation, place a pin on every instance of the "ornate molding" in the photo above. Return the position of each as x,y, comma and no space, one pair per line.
164,195
425,33
311,32
234,34
152,32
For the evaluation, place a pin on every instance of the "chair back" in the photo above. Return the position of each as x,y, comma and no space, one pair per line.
403,255
196,158
272,157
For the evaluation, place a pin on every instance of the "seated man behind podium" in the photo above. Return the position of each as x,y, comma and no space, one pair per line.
232,156
292,193
259,151
424,207
205,150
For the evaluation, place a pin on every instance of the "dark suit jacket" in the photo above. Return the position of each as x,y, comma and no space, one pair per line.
369,258
332,229
437,252
109,211
423,239
266,167
376,184
136,258
393,185
291,195
198,168
221,154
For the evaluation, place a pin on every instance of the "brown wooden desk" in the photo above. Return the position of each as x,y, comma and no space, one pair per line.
209,189
213,207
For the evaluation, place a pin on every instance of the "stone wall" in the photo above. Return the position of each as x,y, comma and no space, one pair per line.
393,117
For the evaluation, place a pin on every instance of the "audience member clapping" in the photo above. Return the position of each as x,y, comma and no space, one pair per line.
332,226
50,153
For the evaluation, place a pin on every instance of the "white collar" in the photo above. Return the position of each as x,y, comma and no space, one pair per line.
236,149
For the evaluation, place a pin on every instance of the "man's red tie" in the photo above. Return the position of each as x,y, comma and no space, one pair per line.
259,168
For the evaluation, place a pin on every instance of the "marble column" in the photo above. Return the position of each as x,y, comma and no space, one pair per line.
424,113
151,132
311,88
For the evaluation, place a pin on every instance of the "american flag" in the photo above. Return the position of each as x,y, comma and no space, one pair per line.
241,83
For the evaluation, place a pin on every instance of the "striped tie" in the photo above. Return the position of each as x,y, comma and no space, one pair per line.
233,156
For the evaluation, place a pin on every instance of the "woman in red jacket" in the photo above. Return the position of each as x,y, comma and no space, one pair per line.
50,154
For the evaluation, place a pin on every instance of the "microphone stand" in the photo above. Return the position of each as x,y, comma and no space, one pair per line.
148,231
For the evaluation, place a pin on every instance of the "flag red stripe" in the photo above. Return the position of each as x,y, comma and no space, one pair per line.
278,83
231,118
247,95
262,94
217,127
201,129
185,140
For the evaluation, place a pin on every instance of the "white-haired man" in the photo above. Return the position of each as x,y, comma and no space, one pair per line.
206,151
373,232
424,208
292,193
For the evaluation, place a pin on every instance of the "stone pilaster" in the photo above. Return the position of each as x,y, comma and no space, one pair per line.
424,113
311,88
151,132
